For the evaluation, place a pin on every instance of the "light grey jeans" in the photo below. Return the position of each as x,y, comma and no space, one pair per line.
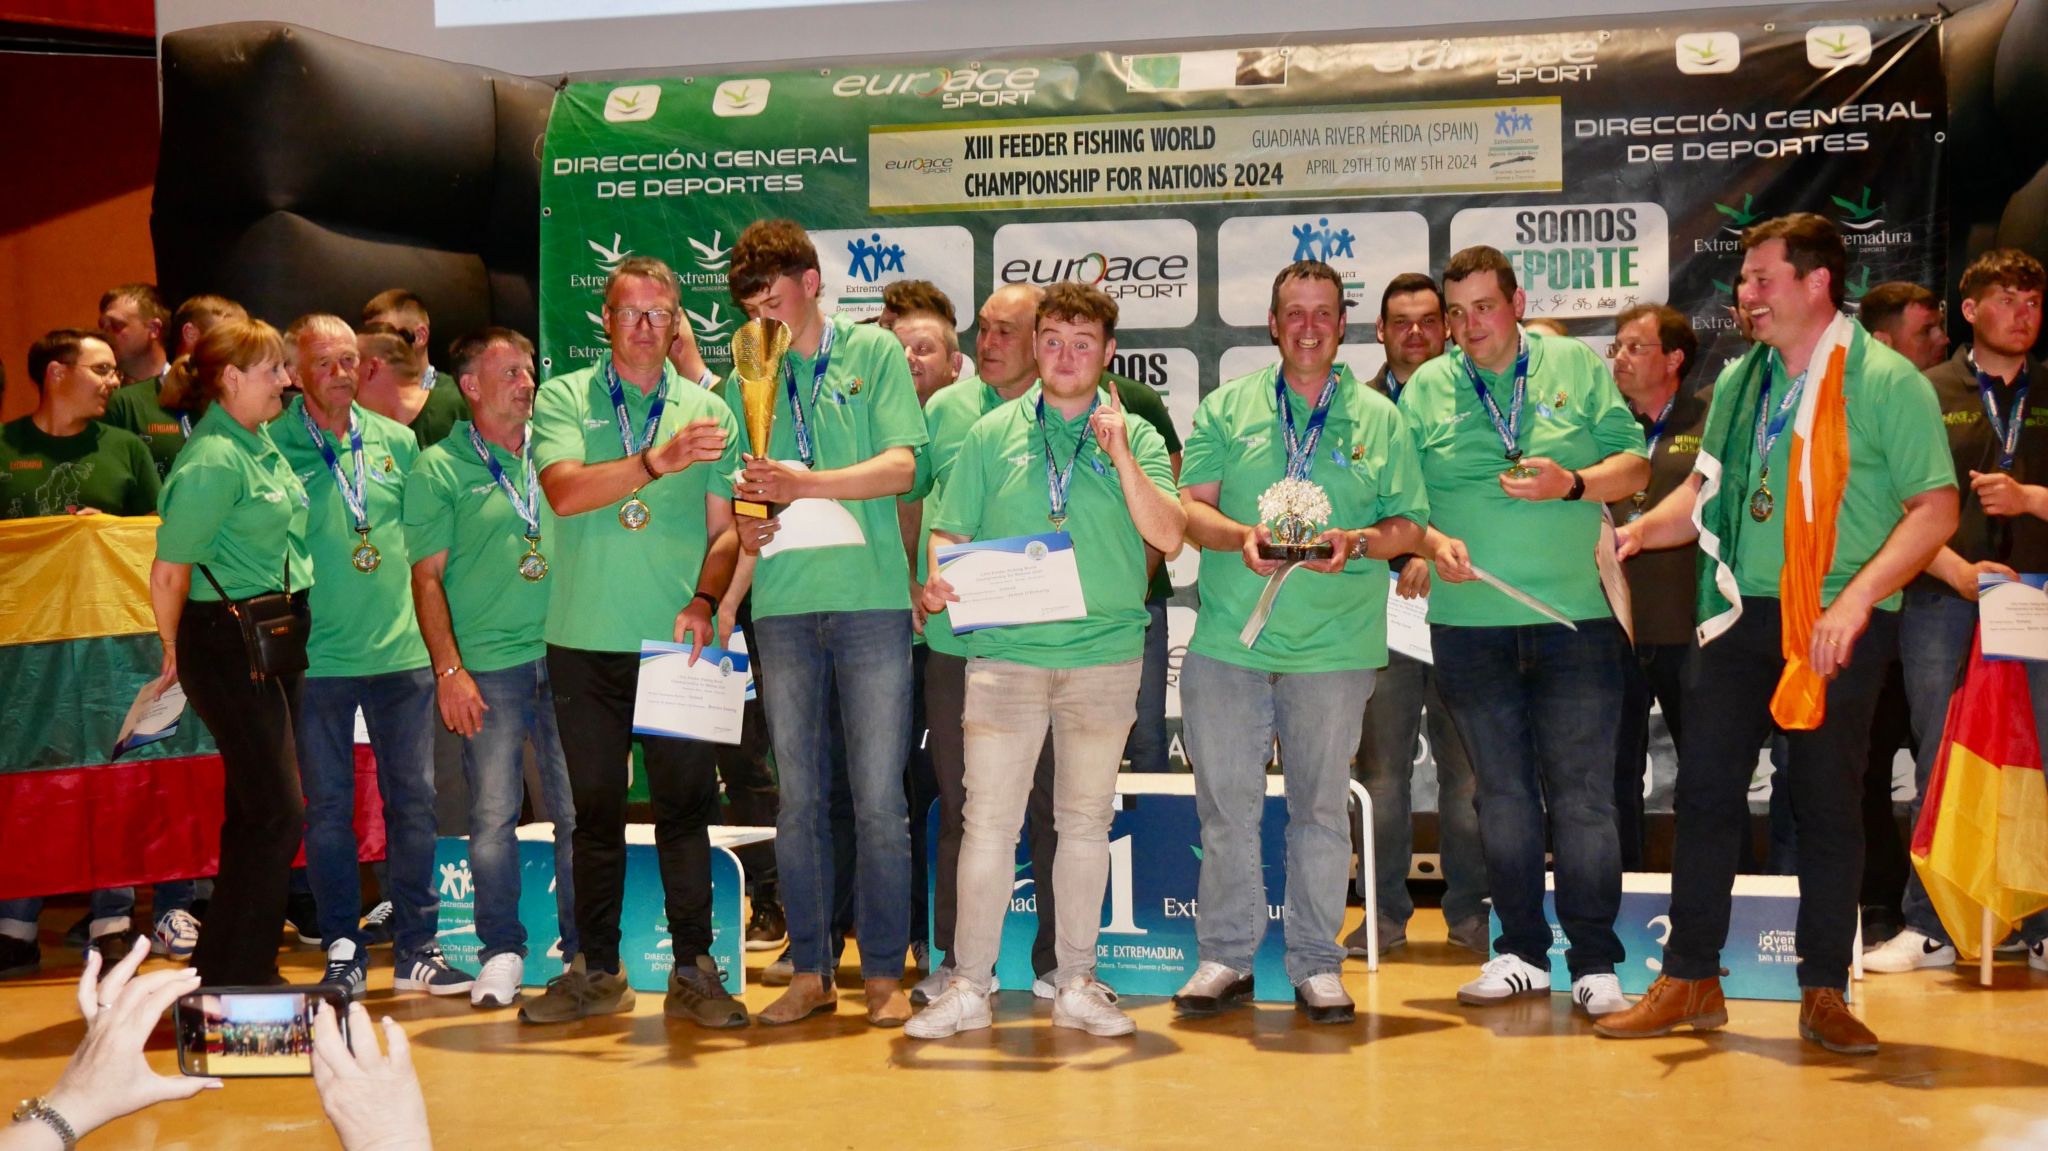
1009,706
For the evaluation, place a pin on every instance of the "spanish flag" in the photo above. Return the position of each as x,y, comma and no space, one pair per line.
1982,840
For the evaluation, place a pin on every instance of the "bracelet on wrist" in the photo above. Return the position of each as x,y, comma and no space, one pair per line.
647,464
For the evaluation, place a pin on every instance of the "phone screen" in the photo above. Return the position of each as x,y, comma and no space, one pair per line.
240,1032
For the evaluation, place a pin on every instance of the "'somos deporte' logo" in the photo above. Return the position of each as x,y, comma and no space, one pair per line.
1510,123
740,98
951,87
1319,241
631,102
1833,46
1707,53
1147,266
872,258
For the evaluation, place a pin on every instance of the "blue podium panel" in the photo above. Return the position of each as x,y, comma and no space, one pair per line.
1148,942
1759,955
645,947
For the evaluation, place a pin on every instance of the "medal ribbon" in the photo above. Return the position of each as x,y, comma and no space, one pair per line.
1389,384
1771,424
528,509
1056,480
626,437
796,409
2007,434
1510,429
1301,449
354,497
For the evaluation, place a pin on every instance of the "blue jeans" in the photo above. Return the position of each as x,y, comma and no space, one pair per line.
1146,749
520,704
398,708
866,656
1402,693
1233,715
18,916
1935,631
1539,706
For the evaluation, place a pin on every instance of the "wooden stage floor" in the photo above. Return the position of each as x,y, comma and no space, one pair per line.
1961,1067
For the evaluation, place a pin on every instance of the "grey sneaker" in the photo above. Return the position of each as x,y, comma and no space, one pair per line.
1088,1004
1211,989
1323,999
1393,937
697,994
1474,935
577,993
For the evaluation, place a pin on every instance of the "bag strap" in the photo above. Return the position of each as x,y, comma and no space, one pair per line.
219,590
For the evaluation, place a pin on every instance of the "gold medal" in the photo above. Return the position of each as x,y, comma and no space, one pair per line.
635,514
365,557
533,567
1520,470
1761,503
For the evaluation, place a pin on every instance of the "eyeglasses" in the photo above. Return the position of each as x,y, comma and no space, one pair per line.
1630,348
656,317
103,371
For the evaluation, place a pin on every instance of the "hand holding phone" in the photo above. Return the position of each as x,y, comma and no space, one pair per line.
108,1075
243,1032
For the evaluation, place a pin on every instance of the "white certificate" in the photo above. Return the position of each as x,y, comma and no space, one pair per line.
1408,623
2014,616
1016,580
151,717
813,523
705,701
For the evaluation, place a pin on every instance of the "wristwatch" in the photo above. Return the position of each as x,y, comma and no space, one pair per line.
444,673
1357,551
39,1108
1578,487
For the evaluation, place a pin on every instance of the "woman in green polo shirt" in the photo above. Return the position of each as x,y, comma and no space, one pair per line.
233,504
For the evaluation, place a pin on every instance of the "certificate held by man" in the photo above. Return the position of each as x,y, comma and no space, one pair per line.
701,700
1014,580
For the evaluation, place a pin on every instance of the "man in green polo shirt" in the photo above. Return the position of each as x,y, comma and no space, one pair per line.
364,653
59,460
1523,436
420,398
150,409
1769,586
636,462
832,620
1301,674
1064,454
478,525
132,319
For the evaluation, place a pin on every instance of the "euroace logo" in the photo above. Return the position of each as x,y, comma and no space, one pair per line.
740,98
632,102
1147,266
870,259
1708,53
1837,46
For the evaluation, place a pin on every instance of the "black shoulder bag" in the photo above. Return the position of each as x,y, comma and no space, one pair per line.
272,633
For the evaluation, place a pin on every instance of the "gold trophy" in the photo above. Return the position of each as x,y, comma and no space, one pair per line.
757,350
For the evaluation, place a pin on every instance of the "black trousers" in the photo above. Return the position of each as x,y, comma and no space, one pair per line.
1885,865
751,795
1730,688
945,698
594,715
263,814
1655,676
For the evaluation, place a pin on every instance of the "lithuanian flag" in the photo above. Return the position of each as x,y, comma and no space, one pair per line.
1982,840
77,641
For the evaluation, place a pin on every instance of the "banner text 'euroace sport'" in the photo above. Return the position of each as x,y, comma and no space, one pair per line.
1613,166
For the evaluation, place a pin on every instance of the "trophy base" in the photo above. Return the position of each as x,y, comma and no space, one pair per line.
755,511
1294,553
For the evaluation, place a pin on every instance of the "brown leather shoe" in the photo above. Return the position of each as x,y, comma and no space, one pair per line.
808,995
888,1006
1824,1019
1668,1005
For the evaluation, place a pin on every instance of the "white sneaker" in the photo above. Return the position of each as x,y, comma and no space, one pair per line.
2037,956
1599,994
1504,977
1089,1005
176,934
958,1008
1041,989
932,986
498,984
1908,951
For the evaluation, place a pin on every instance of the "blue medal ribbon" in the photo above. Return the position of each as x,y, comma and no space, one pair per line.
1771,424
2007,434
1390,385
802,426
185,424
1509,428
1301,448
618,392
354,497
1057,479
528,509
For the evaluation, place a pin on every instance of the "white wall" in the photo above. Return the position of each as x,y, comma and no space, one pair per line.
895,30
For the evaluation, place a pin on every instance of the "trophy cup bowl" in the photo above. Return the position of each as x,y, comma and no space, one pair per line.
757,350
1295,512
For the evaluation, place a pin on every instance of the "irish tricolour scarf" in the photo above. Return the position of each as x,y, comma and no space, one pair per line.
1810,494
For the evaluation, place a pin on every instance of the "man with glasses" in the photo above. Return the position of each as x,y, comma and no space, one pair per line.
637,464
59,460
1411,329
1653,351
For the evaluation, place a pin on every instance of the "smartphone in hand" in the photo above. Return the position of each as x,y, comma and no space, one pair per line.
243,1032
